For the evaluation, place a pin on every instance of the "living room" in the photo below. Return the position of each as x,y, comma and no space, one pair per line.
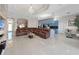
41,32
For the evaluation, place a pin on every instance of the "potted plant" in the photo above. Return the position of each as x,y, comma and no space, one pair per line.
77,22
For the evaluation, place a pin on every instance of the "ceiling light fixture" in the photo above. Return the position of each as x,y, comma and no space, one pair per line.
35,8
31,10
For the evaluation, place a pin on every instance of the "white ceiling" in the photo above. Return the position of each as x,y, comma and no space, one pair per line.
20,11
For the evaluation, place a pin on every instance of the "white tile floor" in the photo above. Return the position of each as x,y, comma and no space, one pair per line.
38,46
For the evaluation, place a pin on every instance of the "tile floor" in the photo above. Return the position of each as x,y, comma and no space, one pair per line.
60,45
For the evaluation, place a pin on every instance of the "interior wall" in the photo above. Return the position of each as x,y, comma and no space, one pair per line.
3,9
33,23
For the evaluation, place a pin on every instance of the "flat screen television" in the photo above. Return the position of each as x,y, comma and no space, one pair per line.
1,24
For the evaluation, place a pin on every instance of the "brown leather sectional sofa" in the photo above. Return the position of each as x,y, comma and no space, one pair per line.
43,33
22,31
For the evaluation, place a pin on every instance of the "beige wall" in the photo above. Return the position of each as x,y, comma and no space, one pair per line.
33,23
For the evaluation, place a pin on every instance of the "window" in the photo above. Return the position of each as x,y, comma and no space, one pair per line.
10,31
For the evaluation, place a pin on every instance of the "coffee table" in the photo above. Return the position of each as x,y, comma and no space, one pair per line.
30,36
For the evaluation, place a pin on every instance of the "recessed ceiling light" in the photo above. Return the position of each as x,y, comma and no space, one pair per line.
67,12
